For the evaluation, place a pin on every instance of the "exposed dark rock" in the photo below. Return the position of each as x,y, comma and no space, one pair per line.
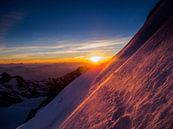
5,77
56,86
6,99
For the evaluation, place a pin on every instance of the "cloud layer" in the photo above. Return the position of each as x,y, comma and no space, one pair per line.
66,49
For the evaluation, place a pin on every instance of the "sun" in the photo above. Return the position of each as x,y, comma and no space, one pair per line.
95,59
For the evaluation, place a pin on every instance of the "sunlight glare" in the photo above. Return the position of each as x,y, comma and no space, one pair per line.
95,59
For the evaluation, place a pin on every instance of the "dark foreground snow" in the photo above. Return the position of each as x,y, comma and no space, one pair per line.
13,116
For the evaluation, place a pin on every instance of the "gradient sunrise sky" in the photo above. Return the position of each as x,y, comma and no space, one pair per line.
42,30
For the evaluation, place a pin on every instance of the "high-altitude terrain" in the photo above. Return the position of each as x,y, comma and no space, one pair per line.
134,90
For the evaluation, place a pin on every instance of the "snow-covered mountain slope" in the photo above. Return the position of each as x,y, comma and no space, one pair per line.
23,98
14,115
65,102
152,24
137,95
134,91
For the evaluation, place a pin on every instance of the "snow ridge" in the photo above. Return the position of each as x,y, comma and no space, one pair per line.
134,91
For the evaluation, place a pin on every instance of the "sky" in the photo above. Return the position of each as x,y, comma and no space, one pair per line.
54,30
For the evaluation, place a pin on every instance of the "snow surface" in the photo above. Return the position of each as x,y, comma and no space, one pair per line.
63,105
137,95
13,83
134,91
13,116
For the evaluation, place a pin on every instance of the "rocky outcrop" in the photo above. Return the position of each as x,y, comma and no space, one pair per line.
14,88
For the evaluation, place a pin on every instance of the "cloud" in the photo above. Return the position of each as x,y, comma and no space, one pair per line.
102,43
65,49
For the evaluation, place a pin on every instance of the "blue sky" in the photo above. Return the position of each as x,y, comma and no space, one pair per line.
68,28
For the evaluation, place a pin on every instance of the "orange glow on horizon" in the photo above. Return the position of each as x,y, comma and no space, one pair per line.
89,60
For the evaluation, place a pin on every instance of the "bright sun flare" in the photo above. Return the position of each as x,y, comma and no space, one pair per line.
95,59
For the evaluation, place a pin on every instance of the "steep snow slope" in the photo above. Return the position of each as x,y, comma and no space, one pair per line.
139,93
152,24
133,91
62,106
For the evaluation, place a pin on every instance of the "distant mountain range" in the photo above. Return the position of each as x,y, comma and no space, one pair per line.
40,71
14,89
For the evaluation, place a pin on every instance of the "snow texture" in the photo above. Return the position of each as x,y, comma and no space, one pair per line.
65,102
134,90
